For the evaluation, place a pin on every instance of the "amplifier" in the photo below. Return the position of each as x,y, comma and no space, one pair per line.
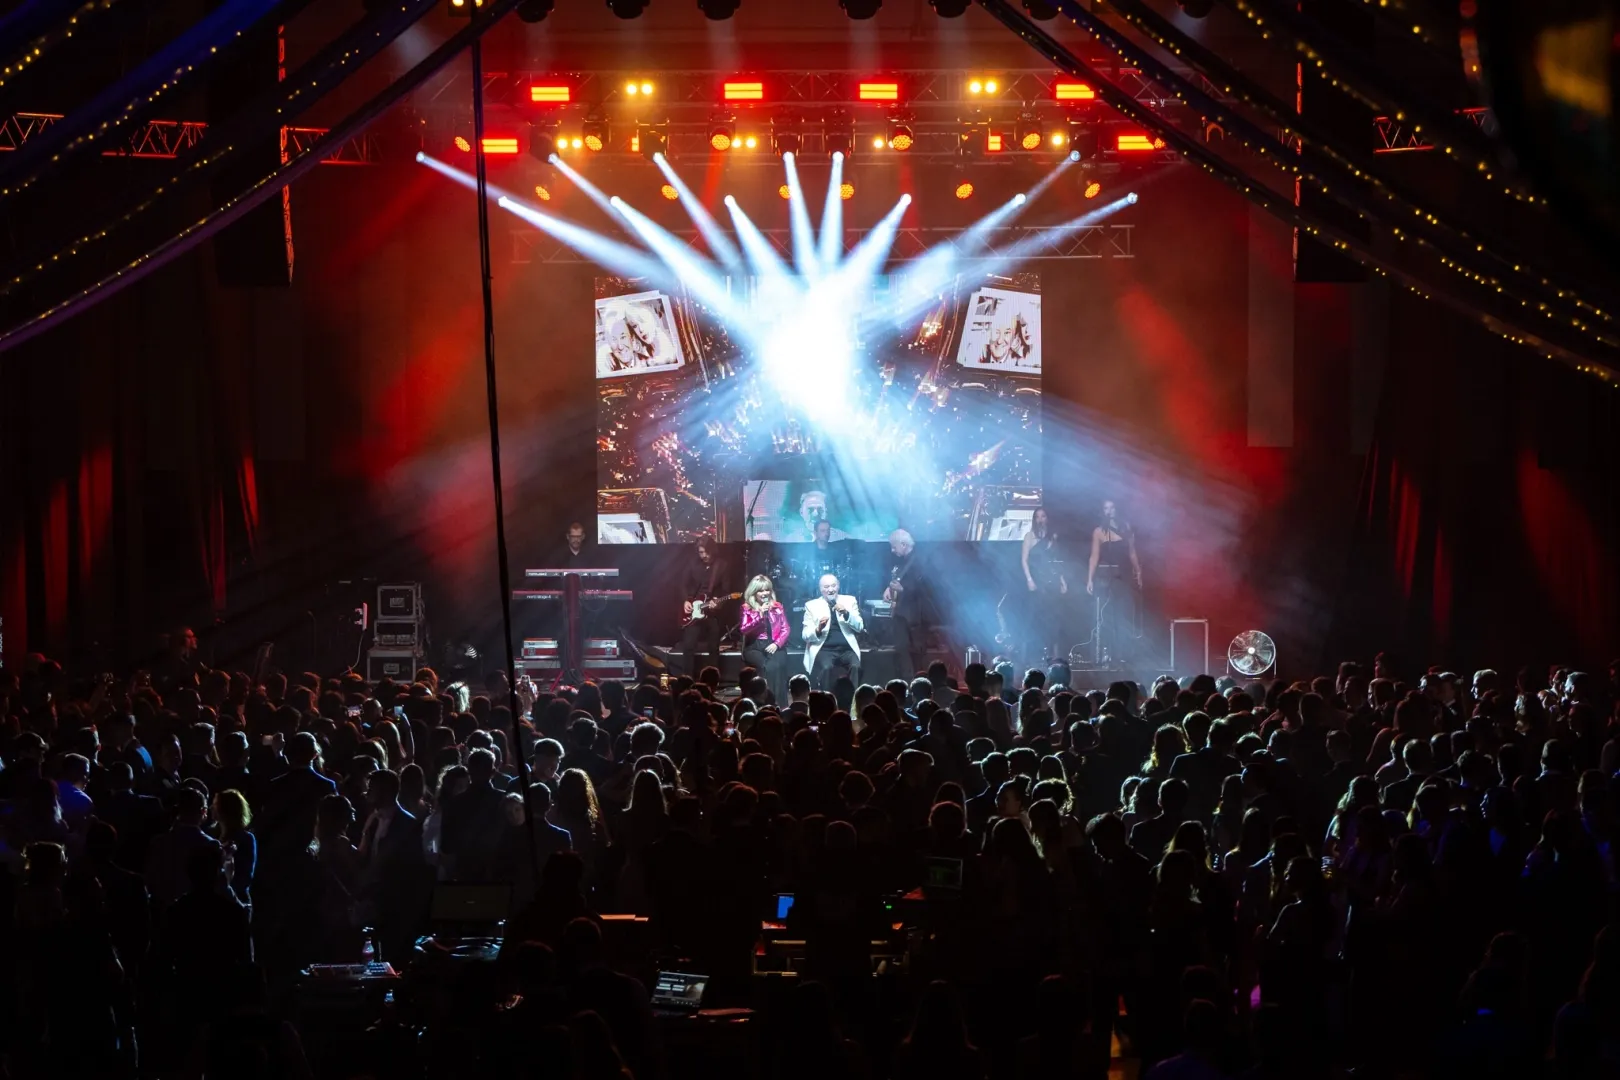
397,633
399,601
397,664
593,667
541,648
535,648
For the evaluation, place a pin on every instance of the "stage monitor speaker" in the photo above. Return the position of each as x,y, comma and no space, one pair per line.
1344,120
256,250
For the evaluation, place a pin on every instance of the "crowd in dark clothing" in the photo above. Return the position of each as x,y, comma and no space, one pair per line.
1404,874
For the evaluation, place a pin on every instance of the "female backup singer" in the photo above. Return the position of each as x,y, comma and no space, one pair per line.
765,635
1043,574
1113,543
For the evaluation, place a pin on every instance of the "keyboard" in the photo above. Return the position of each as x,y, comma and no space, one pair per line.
557,594
601,571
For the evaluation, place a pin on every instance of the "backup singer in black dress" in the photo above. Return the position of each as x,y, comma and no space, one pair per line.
1113,544
702,584
1043,575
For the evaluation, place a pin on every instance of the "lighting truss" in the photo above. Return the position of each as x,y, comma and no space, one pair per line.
1394,137
1048,243
168,139
921,88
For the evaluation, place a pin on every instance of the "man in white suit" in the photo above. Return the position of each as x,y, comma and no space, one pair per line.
831,622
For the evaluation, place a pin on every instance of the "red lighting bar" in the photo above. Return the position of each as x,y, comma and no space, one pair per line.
1073,91
743,91
993,143
1135,142
878,91
500,144
550,94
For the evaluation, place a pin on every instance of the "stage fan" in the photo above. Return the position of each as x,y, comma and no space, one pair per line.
1251,653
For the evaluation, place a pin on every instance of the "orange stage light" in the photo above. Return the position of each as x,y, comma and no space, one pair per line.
743,91
551,95
879,91
964,190
1071,91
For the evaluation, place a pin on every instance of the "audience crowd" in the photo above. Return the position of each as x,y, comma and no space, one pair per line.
1387,871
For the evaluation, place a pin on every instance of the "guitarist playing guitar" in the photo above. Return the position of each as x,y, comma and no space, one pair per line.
703,586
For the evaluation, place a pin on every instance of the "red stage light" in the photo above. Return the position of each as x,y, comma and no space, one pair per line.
669,193
551,95
500,144
542,193
1135,142
743,91
463,143
785,192
879,91
846,191
1092,189
964,190
992,143
1072,91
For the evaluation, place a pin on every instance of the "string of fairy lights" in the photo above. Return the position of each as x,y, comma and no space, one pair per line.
331,66
1430,226
1349,77
1283,207
288,171
37,48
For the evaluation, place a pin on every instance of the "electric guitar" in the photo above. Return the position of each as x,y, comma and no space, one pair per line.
693,610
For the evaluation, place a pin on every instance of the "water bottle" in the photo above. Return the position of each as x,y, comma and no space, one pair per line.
368,951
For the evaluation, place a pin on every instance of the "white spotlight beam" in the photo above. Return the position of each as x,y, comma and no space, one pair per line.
832,215
597,195
701,277
868,256
764,259
804,241
620,258
718,241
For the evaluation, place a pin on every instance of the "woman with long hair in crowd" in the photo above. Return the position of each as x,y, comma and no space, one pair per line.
575,809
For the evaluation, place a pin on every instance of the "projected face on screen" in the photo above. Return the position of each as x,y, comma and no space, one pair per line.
919,412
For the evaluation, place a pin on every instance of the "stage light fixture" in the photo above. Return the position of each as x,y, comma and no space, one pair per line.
551,93
1058,139
595,133
651,139
950,9
463,143
1093,189
901,137
1041,11
742,91
1073,91
785,192
978,86
722,133
500,145
627,9
668,191
860,9
718,10
533,11
964,189
636,89
878,91
846,191
465,8
877,142
542,193
1028,132
786,135
543,140
839,134
1083,141
1137,142
576,143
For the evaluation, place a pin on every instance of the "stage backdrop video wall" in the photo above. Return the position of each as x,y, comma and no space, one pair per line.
895,408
